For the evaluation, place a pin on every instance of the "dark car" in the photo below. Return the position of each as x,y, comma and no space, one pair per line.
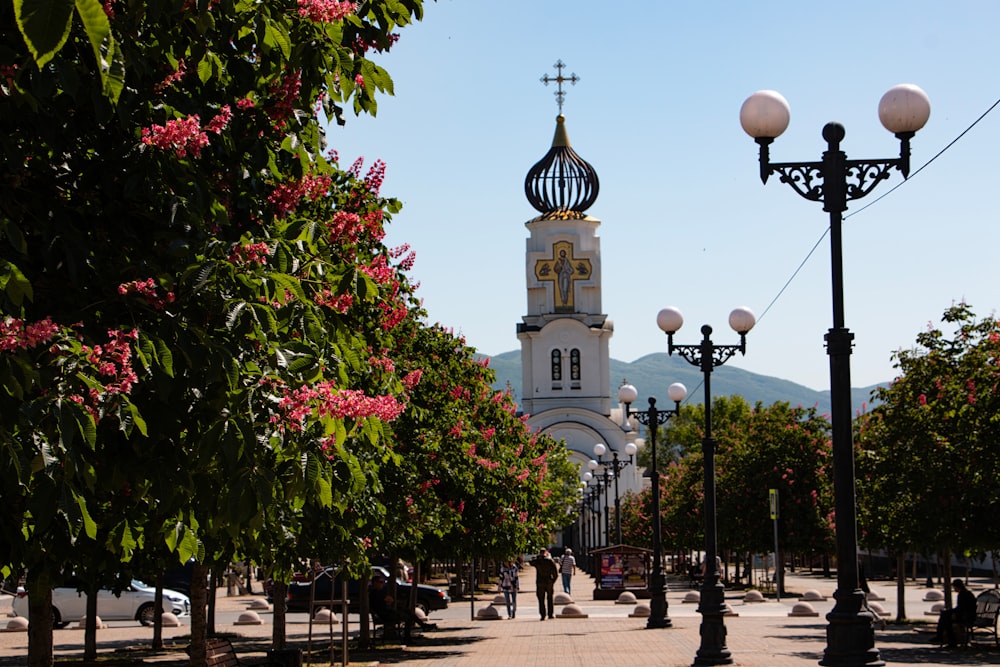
429,598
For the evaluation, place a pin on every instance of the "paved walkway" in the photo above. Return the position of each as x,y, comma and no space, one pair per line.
760,634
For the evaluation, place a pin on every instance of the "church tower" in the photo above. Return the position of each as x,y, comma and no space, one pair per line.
565,361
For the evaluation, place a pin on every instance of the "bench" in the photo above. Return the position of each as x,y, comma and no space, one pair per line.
987,610
395,630
219,652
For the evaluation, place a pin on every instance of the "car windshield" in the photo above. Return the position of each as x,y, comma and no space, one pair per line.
142,586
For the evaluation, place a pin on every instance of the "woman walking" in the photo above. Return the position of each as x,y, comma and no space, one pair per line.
509,586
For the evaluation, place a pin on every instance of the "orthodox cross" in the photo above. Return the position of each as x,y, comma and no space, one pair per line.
563,270
559,78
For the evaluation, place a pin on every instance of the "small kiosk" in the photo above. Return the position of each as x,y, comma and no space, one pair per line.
619,568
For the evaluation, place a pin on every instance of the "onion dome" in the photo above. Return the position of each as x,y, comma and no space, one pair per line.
562,185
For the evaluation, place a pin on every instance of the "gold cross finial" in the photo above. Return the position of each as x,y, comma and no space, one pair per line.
559,78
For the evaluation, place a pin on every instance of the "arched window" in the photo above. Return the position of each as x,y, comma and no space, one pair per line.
574,365
556,366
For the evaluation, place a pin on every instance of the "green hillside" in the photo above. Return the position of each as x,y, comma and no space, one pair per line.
653,373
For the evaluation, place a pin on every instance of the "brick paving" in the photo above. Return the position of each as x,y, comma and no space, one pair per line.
758,635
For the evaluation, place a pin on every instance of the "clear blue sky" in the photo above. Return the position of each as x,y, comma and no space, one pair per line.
685,219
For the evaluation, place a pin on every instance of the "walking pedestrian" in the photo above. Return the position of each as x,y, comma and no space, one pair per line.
567,568
546,573
509,585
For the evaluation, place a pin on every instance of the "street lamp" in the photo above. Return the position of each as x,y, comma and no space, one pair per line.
594,465
581,524
652,418
707,355
834,181
595,498
616,467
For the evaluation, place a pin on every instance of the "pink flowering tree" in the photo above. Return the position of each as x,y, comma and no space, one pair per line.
471,478
927,464
191,283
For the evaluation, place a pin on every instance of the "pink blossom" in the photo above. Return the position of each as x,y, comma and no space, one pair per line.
384,363
286,196
355,169
325,11
220,121
148,290
379,270
16,335
362,45
339,303
376,173
114,362
251,253
171,78
183,136
392,315
326,400
412,379
286,92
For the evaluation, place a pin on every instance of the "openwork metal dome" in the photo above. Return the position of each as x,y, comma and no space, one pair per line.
562,184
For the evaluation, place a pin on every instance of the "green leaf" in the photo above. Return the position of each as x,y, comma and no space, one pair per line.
106,52
232,373
276,38
206,67
45,26
15,236
15,284
137,419
128,543
234,313
89,525
166,357
324,492
290,284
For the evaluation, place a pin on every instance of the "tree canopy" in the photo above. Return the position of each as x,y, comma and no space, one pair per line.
927,459
207,349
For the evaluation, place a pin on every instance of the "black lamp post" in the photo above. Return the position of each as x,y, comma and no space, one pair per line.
707,355
616,465
595,499
834,181
606,484
598,538
653,418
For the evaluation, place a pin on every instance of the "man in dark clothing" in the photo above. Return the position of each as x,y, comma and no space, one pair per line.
963,614
546,573
381,604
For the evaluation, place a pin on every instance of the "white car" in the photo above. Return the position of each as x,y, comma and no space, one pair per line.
134,603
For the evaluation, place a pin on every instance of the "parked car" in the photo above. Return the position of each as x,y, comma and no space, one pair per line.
136,602
429,598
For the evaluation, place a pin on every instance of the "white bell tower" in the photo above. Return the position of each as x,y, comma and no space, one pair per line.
565,360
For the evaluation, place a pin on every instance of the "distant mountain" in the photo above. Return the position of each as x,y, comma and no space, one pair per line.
653,373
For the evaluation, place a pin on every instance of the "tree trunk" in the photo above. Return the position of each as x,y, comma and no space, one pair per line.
212,595
39,622
199,625
365,630
900,585
946,569
90,627
158,614
279,593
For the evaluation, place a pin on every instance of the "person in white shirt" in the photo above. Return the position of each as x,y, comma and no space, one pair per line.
567,568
